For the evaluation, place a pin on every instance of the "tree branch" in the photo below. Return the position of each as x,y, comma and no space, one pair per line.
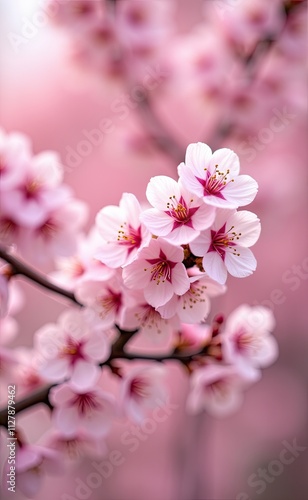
18,267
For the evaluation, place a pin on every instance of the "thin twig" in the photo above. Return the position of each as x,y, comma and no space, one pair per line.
20,268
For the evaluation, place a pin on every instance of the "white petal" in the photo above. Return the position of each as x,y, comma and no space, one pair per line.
242,265
226,159
112,254
108,221
242,191
182,235
197,158
131,207
159,191
204,217
215,267
188,179
248,224
201,244
157,221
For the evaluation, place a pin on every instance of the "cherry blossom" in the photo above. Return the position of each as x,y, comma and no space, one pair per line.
107,298
91,411
38,191
72,348
32,463
159,272
15,156
57,234
122,231
149,320
247,338
224,247
177,215
194,305
141,391
76,446
215,177
218,389
82,266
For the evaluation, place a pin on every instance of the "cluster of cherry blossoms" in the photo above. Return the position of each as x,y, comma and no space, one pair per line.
146,270
38,213
233,57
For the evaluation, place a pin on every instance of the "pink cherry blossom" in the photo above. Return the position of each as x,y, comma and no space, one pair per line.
177,215
247,338
39,190
144,26
191,338
82,266
215,177
15,155
148,320
218,389
32,463
142,390
122,232
72,348
77,446
57,234
194,305
159,272
224,247
89,410
106,297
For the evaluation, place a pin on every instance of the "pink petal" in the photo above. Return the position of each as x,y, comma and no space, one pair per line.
97,347
248,224
67,420
61,395
157,295
135,276
84,374
180,280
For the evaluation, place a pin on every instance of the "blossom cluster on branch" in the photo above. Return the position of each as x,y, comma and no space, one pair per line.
147,270
143,270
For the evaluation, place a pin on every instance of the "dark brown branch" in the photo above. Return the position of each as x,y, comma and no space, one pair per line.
19,267
117,352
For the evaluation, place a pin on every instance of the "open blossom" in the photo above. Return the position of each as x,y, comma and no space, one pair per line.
215,177
57,234
218,389
32,463
89,410
142,390
76,446
177,215
38,191
159,272
72,348
107,298
247,339
224,247
122,232
194,305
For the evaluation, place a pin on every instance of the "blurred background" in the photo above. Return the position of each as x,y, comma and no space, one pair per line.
120,97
